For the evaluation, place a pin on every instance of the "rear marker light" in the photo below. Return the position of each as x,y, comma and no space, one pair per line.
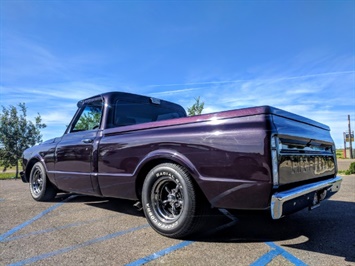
275,163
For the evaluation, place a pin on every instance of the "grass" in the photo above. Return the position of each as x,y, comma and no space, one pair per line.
12,168
10,172
6,175
339,153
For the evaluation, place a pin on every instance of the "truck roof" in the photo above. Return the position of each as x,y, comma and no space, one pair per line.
249,111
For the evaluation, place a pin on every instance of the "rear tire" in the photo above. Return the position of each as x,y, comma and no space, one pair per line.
170,201
40,187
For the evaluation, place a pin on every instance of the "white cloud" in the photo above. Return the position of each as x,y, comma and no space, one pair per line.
316,85
171,92
35,61
326,97
58,117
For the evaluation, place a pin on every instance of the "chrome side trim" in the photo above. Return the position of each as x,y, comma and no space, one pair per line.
280,198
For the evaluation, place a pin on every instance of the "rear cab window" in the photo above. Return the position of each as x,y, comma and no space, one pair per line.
126,112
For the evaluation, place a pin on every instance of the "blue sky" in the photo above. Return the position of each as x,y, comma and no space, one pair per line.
295,55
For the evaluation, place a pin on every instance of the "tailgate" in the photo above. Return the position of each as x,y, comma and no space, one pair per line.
305,149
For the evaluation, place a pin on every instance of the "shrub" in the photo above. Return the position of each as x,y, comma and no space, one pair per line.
351,169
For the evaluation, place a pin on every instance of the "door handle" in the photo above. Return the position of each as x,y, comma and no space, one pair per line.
87,140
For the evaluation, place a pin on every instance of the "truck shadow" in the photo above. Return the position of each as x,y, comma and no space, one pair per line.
110,204
328,230
118,205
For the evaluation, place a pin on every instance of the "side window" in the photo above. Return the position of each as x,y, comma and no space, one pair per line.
90,117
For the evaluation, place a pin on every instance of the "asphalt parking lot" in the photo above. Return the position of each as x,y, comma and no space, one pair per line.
81,230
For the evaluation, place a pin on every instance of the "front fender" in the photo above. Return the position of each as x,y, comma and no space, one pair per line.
28,163
25,175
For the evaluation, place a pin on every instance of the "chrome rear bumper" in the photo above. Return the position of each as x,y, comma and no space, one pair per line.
298,198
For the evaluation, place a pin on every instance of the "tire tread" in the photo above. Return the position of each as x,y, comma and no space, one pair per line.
196,222
50,191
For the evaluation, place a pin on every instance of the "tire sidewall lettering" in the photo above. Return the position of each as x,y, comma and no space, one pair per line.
169,175
155,219
168,186
157,222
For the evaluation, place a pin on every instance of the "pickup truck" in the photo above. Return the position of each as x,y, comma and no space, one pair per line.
177,168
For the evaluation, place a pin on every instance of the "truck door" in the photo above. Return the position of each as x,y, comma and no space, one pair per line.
74,164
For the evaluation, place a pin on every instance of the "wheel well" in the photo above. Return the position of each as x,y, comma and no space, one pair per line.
149,166
29,167
143,173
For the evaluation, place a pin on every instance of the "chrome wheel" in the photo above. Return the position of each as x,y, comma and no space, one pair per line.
170,201
37,181
41,188
167,199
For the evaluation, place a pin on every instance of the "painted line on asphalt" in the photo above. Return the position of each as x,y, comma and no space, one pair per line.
266,258
183,244
71,248
274,252
30,221
286,254
53,229
159,254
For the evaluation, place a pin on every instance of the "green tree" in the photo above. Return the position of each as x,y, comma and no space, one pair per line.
89,119
196,108
17,134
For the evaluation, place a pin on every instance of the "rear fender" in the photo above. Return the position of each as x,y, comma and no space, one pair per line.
157,157
171,155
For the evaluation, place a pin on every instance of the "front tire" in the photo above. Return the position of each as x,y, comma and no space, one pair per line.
170,201
40,187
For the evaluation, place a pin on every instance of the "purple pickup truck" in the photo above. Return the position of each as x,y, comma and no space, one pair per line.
128,146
